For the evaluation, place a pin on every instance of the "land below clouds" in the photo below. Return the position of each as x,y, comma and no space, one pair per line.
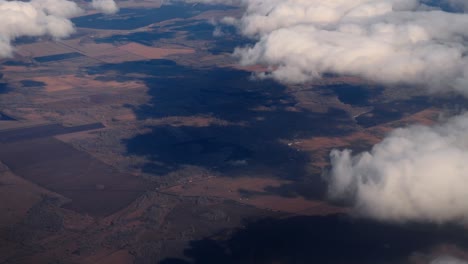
174,121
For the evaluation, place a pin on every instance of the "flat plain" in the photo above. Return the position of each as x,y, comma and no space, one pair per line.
140,139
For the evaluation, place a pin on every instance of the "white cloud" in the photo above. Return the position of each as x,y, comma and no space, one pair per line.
105,6
417,173
387,41
383,41
34,18
41,17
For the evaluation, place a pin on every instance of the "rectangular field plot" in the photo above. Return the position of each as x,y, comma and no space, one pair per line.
94,187
42,131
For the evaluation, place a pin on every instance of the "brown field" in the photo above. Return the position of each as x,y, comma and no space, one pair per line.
42,49
43,130
4,125
153,52
93,187
17,196
103,52
426,117
7,124
66,82
126,117
320,146
27,117
232,188
111,208
13,69
118,56
88,48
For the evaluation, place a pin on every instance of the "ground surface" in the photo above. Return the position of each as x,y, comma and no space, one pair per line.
140,140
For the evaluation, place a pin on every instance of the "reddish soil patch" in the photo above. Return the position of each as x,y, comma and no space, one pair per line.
40,49
94,187
321,146
17,196
153,52
230,188
66,82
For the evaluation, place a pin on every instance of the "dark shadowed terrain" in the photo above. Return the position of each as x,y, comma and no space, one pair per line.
140,139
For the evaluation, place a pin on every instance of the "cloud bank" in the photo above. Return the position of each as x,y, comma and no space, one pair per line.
105,6
417,173
34,18
387,41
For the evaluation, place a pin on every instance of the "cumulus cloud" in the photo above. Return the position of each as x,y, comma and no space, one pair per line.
34,18
388,41
105,6
418,173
